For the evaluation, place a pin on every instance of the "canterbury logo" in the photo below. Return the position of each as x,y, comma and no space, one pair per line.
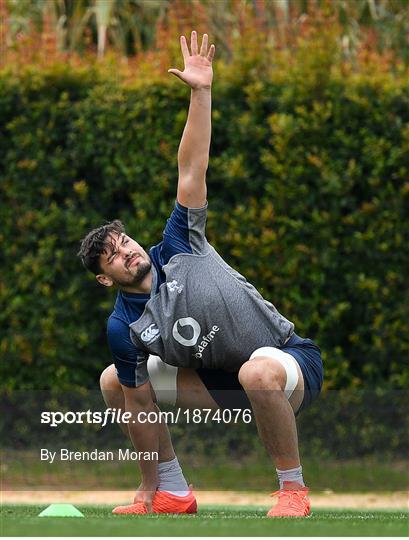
150,333
174,286
187,321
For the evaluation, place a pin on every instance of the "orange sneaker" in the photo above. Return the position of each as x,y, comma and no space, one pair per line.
292,501
163,503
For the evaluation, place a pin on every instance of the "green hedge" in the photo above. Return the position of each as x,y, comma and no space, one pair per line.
308,183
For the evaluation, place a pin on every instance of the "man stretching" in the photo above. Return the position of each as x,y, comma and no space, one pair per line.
186,320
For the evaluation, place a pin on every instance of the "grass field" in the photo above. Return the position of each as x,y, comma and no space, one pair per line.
24,470
22,520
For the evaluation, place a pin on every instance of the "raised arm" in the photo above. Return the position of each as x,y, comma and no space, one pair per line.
193,155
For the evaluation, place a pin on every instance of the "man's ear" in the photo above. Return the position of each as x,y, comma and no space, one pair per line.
104,280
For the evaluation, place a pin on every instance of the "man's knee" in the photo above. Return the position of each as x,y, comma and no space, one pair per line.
109,379
261,373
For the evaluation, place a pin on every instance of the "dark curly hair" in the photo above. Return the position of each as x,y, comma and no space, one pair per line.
98,242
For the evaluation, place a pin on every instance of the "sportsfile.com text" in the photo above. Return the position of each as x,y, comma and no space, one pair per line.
117,416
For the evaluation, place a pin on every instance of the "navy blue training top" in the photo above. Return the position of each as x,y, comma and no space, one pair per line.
130,306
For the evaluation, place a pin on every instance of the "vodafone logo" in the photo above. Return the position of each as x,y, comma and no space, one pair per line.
186,321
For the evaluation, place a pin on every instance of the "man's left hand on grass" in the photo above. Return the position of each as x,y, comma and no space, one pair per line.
145,495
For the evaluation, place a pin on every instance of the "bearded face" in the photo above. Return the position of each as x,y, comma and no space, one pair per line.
124,263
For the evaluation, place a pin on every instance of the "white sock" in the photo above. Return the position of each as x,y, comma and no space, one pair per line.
290,475
171,478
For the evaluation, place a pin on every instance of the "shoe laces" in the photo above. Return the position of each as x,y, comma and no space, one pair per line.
289,497
140,505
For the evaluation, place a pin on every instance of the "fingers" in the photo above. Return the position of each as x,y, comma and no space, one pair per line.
144,497
181,75
212,50
194,47
203,48
175,72
193,43
184,47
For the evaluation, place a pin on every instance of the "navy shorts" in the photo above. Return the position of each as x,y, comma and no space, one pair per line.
226,390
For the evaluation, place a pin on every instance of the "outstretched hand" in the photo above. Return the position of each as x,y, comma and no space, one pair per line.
198,72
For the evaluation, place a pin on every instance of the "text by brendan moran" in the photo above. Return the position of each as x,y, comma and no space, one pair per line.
64,454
